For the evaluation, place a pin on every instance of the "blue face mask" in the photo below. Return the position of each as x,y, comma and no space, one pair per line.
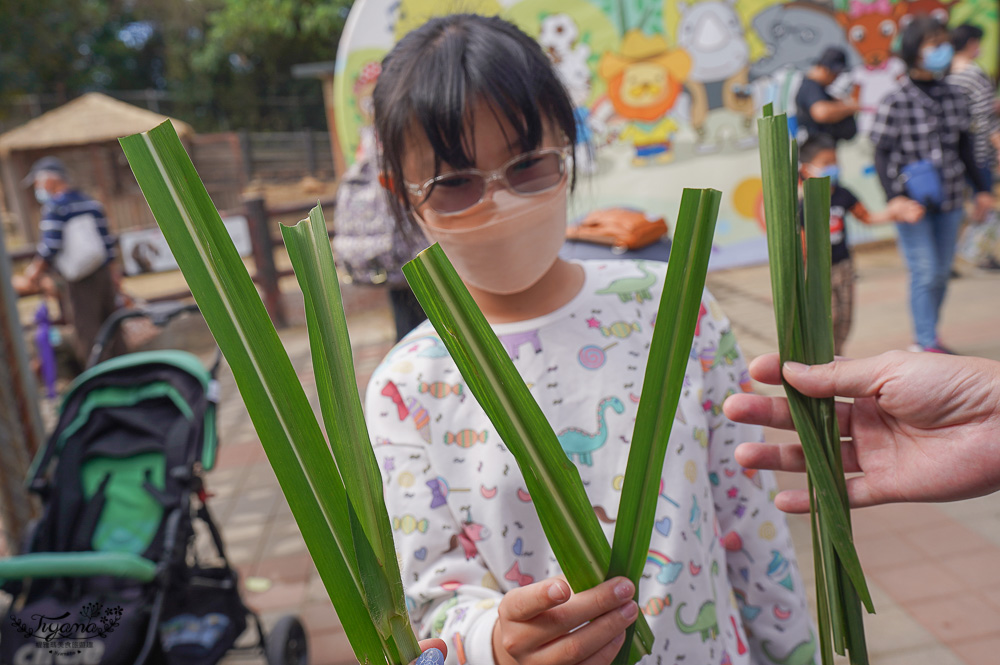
938,58
832,172
42,195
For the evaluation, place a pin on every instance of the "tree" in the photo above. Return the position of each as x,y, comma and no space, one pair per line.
225,64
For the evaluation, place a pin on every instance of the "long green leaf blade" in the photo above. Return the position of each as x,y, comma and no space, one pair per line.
275,400
669,353
801,288
552,479
333,365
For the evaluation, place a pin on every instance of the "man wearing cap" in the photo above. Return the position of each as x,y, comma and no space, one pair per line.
819,112
76,245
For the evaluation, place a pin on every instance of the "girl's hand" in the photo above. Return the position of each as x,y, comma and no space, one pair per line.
538,623
922,427
433,652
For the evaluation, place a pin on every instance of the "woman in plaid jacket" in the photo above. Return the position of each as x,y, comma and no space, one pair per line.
925,123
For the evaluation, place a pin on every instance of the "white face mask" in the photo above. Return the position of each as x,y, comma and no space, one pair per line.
42,195
506,244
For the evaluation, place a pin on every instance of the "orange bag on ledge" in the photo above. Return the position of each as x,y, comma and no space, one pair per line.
622,229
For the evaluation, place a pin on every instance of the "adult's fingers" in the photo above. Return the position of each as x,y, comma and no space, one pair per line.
843,378
861,493
789,458
758,410
587,642
526,603
766,369
773,411
792,501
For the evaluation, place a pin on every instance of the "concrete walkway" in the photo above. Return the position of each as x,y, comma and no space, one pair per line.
933,571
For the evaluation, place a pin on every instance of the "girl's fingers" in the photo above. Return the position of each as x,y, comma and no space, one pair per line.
584,645
528,602
540,629
607,653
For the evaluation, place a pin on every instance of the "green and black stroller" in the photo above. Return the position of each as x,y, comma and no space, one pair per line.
110,573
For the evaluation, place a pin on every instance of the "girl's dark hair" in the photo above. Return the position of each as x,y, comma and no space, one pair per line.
434,75
965,33
919,29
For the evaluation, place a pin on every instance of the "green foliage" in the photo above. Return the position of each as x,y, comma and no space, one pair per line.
220,61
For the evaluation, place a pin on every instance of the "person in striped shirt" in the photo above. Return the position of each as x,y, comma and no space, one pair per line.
91,293
969,77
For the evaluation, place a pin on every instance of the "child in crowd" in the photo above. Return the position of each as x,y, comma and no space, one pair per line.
818,156
477,132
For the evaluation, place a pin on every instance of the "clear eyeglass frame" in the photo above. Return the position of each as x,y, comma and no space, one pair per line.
422,192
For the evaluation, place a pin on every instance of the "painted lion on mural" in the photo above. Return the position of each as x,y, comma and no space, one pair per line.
644,79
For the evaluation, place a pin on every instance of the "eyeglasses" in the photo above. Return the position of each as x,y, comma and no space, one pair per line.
529,173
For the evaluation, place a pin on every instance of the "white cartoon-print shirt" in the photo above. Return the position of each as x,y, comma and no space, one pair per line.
721,584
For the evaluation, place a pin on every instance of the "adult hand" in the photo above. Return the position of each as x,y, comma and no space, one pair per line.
433,652
903,209
985,202
923,426
538,623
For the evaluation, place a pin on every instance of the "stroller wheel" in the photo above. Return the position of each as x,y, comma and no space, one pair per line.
287,643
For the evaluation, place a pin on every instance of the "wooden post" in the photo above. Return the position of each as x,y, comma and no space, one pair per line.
246,148
263,255
20,424
310,144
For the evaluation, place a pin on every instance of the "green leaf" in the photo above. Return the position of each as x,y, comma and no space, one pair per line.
801,293
552,480
670,350
275,399
340,403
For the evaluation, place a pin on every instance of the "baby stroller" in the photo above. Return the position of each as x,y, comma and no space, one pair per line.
110,573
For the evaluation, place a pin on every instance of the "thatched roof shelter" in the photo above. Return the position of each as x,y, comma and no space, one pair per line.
91,118
83,133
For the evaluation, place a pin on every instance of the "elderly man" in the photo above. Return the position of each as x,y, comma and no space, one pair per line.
75,245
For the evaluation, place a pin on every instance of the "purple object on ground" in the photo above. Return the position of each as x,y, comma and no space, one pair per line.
46,354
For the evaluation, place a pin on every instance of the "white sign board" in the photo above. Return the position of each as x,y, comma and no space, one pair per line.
147,251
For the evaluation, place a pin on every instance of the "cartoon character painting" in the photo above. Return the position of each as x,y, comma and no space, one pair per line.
644,79
795,34
559,37
364,86
871,28
711,33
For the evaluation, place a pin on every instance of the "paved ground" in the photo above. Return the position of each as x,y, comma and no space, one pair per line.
933,570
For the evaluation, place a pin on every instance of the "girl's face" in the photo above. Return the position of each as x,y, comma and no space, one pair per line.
459,202
502,229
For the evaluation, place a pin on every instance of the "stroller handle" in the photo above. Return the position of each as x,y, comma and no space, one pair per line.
160,314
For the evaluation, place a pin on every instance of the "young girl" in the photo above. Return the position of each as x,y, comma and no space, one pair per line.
476,131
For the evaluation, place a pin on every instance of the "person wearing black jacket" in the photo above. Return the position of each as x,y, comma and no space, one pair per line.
924,151
819,112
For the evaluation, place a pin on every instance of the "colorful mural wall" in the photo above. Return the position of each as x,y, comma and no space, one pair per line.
667,90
